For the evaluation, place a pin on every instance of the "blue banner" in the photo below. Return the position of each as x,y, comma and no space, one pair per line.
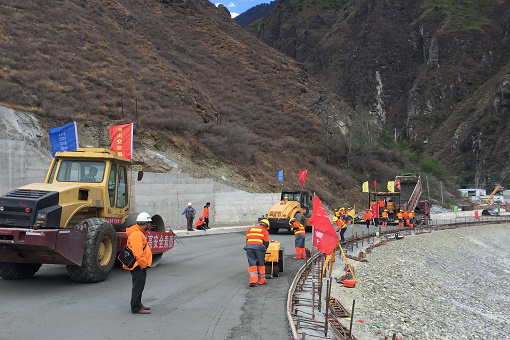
64,138
280,176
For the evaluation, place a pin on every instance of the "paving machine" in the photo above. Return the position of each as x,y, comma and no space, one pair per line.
77,217
293,204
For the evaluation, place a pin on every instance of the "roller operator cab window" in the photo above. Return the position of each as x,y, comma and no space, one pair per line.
81,171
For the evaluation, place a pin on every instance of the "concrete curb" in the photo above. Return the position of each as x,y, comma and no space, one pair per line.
212,231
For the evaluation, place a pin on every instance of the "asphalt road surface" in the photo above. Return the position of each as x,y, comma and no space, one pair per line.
199,290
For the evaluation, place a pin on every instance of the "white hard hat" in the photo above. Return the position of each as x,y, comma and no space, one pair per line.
143,217
189,204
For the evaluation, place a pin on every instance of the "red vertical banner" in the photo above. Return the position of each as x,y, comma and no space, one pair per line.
476,215
398,184
324,234
375,185
302,176
121,137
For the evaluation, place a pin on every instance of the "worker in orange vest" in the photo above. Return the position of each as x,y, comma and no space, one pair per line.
342,228
411,216
406,218
385,218
367,216
299,242
400,217
257,241
200,225
348,217
206,215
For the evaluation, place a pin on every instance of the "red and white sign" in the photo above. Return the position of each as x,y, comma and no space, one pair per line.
160,241
114,220
121,137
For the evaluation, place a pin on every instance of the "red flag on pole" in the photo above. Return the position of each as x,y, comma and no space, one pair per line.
476,215
324,235
375,185
302,176
122,140
398,184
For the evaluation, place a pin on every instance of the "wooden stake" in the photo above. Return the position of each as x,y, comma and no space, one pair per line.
352,318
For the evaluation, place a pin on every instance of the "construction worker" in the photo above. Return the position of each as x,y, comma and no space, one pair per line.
257,241
411,216
367,216
206,215
381,203
299,242
336,213
137,243
348,216
342,228
400,218
406,218
385,218
200,225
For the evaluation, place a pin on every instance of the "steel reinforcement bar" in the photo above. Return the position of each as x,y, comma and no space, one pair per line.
339,331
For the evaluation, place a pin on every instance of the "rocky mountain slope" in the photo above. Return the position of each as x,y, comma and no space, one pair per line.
198,87
432,71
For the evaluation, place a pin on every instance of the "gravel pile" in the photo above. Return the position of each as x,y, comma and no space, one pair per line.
451,284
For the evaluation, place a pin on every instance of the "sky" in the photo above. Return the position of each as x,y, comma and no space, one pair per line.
237,7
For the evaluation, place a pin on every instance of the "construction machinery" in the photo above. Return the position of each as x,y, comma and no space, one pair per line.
77,217
293,204
496,189
406,197
274,259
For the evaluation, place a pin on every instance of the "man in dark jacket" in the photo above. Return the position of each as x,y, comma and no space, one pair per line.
189,214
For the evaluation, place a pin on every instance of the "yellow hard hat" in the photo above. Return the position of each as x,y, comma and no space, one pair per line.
291,220
335,219
264,221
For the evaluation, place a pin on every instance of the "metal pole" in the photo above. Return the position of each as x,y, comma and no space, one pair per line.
352,318
441,185
313,297
327,305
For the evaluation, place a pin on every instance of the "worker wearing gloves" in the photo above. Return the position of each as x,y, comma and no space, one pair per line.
137,243
299,242
257,241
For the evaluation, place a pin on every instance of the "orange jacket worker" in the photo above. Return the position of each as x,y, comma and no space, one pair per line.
137,242
257,241
299,243
206,215
367,216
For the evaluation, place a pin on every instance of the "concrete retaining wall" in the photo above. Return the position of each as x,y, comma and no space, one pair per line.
25,156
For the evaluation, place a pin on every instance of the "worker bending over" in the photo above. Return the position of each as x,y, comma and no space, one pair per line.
257,241
299,242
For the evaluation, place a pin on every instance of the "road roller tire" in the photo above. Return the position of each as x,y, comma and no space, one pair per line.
17,271
99,253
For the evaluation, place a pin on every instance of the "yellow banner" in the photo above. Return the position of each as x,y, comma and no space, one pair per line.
365,186
391,186
352,213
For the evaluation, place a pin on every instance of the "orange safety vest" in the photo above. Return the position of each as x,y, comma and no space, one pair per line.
199,223
367,215
411,214
206,212
381,203
340,223
257,235
298,228
137,242
400,215
385,214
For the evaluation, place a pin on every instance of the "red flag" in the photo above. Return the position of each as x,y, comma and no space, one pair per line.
302,176
398,184
375,185
121,137
476,215
324,235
